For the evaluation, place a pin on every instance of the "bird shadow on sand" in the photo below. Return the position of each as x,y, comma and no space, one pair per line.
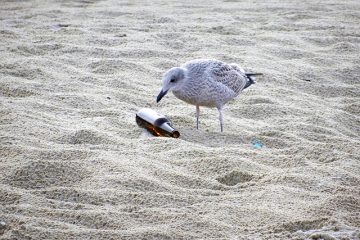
212,139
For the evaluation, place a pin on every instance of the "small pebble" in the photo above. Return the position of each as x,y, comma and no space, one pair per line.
63,25
2,224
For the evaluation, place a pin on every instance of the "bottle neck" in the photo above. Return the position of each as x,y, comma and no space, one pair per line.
168,128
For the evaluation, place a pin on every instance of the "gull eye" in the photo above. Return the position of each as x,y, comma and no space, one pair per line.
172,80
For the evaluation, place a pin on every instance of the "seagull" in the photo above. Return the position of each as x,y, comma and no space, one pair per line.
207,83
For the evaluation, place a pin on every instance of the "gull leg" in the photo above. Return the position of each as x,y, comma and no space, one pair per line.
197,116
221,119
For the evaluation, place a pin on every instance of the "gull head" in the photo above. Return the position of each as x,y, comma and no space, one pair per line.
173,79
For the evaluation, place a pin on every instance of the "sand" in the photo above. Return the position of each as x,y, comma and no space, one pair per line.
74,164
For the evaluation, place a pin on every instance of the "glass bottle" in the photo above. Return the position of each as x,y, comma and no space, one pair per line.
155,123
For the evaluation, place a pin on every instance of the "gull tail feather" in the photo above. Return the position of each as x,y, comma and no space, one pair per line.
251,79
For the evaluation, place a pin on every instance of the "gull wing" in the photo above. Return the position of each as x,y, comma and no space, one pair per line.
228,75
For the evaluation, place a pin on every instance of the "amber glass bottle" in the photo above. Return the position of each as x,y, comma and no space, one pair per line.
155,123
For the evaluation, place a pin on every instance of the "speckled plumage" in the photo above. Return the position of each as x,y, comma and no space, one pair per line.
211,83
205,82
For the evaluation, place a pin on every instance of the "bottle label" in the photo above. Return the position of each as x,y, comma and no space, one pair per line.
160,121
150,115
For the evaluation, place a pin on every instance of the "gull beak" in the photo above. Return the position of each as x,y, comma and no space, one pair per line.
160,96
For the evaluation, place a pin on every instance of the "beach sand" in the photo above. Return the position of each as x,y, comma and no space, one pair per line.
74,164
